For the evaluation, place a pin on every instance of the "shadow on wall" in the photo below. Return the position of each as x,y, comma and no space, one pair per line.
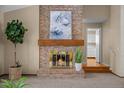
1,31
1,51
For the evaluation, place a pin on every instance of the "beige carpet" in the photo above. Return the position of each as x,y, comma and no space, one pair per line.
94,80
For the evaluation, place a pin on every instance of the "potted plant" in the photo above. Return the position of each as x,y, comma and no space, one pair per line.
15,33
78,59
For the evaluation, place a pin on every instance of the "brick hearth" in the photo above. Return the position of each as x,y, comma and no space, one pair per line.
59,73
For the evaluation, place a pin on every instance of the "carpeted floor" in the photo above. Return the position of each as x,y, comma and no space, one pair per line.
94,80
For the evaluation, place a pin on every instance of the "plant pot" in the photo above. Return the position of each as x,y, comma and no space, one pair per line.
15,73
78,66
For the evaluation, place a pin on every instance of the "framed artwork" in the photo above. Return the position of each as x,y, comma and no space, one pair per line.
60,25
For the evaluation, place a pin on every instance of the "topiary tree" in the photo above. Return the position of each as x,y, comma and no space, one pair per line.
15,33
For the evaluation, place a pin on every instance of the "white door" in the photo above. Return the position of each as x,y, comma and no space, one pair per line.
93,43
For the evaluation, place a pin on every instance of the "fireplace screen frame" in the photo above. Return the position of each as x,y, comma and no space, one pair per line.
61,59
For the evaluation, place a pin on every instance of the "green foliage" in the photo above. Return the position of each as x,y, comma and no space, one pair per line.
14,83
78,55
15,31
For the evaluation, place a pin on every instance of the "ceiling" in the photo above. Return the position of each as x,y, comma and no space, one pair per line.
6,8
98,19
94,20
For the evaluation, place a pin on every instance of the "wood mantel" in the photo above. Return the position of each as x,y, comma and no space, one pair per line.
49,42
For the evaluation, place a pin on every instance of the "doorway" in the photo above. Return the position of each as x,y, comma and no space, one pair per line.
93,46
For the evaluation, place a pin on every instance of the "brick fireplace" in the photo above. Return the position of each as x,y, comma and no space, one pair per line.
46,46
46,55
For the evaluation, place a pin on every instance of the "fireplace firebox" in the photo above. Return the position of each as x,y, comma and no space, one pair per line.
61,59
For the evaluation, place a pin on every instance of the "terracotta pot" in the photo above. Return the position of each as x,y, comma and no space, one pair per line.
15,73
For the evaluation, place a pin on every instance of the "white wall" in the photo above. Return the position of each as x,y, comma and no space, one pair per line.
6,8
122,43
95,13
112,40
116,38
28,52
1,44
106,42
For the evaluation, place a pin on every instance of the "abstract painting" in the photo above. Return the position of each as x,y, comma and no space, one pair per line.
60,25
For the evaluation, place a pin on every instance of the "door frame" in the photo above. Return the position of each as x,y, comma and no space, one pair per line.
100,42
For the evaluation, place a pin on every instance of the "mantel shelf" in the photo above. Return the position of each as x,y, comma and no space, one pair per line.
49,42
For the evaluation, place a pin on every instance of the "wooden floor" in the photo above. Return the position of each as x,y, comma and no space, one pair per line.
92,62
93,67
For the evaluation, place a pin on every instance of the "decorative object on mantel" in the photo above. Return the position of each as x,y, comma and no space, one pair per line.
78,59
49,42
60,25
15,33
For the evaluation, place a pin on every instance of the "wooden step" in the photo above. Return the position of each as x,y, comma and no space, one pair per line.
96,69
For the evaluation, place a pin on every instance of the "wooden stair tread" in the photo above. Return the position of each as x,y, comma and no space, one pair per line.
98,65
100,68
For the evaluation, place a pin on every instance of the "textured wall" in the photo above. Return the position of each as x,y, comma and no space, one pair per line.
77,14
77,27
